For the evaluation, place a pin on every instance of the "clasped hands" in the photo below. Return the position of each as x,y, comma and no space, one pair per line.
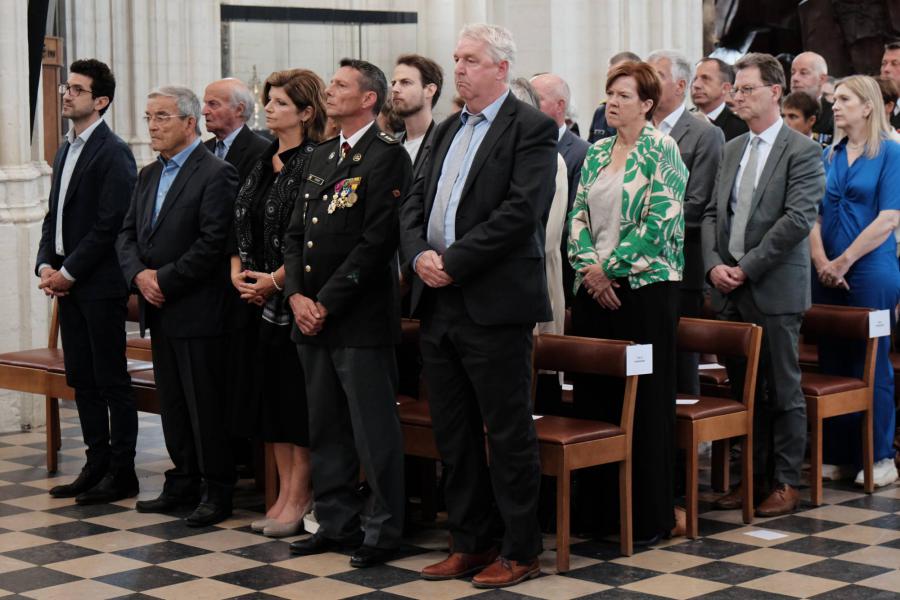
53,283
600,287
430,269
831,273
309,315
727,279
256,292
148,284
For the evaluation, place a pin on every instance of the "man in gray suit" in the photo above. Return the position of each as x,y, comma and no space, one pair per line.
700,144
757,258
555,96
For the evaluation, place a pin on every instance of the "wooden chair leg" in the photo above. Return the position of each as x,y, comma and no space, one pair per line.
691,487
51,413
271,483
815,453
747,477
563,507
626,543
720,465
868,451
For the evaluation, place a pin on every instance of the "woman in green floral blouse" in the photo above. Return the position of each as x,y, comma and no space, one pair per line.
626,247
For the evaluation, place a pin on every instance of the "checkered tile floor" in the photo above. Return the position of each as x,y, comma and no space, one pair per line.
53,549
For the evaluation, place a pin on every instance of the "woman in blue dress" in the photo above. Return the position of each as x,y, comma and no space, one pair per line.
855,256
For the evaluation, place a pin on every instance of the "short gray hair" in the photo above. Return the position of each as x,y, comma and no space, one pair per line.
524,91
558,85
186,100
681,66
499,41
241,94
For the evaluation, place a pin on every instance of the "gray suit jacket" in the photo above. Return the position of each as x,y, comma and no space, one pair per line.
700,145
783,212
573,150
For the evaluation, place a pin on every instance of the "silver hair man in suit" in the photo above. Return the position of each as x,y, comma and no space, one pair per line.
756,257
700,144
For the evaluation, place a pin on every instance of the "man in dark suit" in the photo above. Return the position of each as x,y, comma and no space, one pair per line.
890,69
554,94
227,105
700,144
473,226
341,280
809,73
415,89
93,175
756,256
172,250
713,79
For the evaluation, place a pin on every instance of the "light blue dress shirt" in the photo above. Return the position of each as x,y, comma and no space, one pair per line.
229,140
170,171
481,129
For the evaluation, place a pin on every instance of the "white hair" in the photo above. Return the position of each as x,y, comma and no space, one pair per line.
240,94
499,41
186,100
682,69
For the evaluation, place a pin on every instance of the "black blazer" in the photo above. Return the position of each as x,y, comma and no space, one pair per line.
244,151
424,152
346,259
730,124
498,257
95,204
186,246
573,150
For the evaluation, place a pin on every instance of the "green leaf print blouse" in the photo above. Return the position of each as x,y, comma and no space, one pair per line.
651,229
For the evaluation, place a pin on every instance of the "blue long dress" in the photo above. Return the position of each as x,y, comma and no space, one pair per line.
854,195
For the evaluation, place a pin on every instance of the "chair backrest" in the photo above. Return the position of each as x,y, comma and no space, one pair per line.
53,329
409,339
591,356
725,339
134,311
831,322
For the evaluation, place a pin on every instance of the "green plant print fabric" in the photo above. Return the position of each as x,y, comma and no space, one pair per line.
651,227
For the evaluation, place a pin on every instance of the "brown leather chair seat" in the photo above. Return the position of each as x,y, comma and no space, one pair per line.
895,360
404,400
817,384
564,430
708,406
138,342
415,413
37,358
144,378
809,354
714,376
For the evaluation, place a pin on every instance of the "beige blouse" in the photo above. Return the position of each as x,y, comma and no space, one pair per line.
604,211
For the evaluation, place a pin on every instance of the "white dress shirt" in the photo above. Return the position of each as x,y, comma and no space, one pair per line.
714,113
356,136
766,141
668,123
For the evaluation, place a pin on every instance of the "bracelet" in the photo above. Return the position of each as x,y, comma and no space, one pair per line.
275,283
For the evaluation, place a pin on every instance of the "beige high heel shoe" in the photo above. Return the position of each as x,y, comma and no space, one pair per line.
276,529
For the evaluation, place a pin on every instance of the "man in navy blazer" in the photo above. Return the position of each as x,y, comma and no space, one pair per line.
93,175
473,228
172,250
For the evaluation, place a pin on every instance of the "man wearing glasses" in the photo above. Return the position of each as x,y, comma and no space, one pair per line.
93,175
172,251
756,257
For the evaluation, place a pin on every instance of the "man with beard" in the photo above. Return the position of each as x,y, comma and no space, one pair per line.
415,89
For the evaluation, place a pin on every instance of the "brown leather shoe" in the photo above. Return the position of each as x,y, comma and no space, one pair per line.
782,501
504,573
680,529
730,501
459,564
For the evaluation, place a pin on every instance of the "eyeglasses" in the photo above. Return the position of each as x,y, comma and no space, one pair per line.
746,90
162,118
73,90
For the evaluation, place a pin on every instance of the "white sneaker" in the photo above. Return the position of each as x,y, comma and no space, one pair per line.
884,473
836,472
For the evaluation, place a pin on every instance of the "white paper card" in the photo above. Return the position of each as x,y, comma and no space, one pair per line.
536,417
639,359
879,323
687,401
706,366
766,534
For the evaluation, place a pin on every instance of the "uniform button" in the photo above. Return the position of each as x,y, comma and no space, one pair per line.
307,268
324,196
306,195
315,220
309,244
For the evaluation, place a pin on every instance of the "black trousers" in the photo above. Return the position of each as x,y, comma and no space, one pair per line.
690,303
190,375
352,395
480,377
93,337
648,315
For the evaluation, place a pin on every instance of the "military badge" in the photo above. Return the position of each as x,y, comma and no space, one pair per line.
344,194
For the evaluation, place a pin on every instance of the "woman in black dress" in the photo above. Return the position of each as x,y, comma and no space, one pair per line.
295,113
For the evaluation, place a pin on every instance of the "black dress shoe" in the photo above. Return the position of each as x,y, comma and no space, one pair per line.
88,478
163,503
110,489
317,544
207,514
369,556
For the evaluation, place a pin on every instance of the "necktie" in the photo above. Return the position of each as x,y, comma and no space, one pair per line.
744,200
220,149
345,150
436,237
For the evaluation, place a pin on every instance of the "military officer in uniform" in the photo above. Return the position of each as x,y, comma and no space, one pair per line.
341,279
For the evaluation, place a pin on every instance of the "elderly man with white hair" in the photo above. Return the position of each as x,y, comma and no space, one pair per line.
809,73
227,106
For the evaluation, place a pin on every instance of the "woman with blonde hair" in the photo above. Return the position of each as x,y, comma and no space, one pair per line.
854,254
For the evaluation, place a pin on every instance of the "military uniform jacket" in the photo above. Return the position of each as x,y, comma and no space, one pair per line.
340,247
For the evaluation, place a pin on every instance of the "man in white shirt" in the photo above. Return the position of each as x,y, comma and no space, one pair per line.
415,89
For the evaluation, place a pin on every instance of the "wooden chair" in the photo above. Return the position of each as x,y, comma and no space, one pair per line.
715,419
567,444
833,395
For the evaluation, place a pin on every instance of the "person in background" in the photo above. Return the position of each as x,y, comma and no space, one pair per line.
799,111
890,69
600,128
855,256
809,74
890,91
710,93
294,103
